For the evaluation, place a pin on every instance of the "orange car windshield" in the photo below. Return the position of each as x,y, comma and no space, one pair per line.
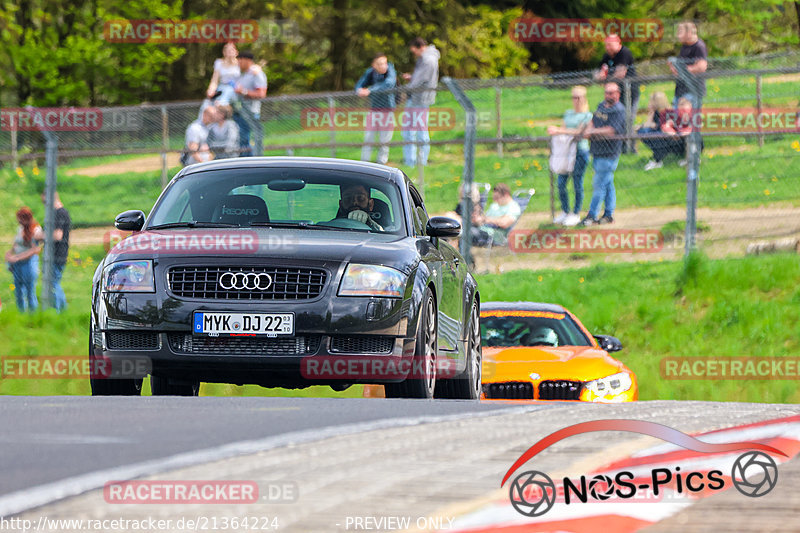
533,328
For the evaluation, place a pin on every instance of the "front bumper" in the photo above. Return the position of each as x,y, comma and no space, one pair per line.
158,326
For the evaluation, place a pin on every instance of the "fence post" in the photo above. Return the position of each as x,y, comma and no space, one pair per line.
692,160
759,105
332,110
628,116
51,158
468,177
258,136
164,145
498,94
14,151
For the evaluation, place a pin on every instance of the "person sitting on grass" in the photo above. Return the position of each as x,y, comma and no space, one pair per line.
498,220
196,149
678,126
654,129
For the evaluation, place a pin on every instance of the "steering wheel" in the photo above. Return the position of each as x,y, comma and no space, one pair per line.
346,223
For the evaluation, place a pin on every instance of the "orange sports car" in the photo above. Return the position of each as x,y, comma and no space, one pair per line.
536,351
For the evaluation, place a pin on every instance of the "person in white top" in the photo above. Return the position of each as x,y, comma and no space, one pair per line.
226,74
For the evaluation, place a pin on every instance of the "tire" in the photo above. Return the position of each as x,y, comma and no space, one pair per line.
426,353
112,387
167,387
467,386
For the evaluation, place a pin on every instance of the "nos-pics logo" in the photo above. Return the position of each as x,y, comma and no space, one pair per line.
533,493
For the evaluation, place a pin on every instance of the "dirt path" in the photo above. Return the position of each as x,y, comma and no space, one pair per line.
146,163
730,231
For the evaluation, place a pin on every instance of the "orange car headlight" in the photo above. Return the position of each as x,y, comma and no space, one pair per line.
610,386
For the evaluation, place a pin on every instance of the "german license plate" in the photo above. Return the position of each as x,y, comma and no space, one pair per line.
231,324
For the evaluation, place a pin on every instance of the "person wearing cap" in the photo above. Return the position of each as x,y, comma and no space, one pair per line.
251,87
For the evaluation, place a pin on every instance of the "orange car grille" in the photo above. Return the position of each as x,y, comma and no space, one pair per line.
560,390
512,390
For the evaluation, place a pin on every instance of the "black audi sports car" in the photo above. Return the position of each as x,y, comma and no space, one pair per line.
287,272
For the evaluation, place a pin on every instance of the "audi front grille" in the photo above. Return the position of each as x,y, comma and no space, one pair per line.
246,282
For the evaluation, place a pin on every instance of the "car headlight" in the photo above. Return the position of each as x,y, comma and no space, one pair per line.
610,385
372,280
129,276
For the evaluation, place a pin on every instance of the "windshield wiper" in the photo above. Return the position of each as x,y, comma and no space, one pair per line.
194,224
304,225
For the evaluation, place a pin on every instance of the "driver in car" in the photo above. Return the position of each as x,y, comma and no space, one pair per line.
356,204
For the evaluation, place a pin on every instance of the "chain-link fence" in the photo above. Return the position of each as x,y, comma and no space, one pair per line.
747,174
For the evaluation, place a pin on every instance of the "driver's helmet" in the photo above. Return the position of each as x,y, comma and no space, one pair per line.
542,336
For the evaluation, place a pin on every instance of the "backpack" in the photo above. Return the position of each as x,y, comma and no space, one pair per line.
563,150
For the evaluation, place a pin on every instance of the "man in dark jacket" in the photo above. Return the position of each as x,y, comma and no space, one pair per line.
62,226
377,84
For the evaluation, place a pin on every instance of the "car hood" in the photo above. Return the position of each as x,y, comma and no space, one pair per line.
298,244
575,363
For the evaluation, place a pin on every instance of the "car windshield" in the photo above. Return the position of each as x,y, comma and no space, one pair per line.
530,328
282,197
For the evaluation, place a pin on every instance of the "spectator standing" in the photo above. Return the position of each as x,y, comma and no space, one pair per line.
251,88
575,120
226,74
223,134
196,148
617,65
693,55
376,84
63,224
500,216
608,121
23,260
425,76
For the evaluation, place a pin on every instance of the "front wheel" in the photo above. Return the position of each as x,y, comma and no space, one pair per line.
422,382
467,386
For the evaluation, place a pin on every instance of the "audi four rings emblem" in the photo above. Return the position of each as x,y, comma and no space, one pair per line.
245,280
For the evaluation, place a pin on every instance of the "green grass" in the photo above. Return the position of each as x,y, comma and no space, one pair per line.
725,308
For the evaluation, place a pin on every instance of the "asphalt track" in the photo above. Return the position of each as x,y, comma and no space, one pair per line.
46,439
375,462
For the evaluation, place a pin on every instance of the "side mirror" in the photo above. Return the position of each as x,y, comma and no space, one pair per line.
608,343
443,227
130,221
